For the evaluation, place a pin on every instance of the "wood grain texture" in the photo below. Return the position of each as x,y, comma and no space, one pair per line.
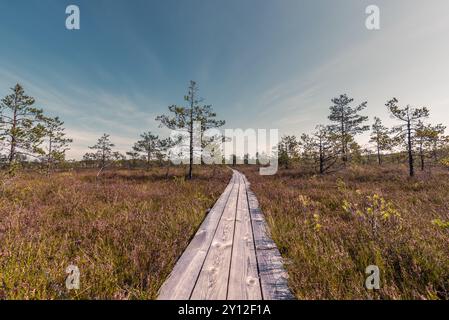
212,283
232,256
243,276
180,283
273,277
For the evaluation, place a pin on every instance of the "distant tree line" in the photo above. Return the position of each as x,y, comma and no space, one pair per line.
150,149
331,147
30,137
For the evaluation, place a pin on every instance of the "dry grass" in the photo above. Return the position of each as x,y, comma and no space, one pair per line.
330,228
124,232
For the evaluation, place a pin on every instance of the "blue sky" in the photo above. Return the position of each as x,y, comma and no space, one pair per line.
260,63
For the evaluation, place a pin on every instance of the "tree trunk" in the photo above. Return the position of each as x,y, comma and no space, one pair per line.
191,141
12,151
321,155
421,155
379,158
435,150
343,144
410,151
49,159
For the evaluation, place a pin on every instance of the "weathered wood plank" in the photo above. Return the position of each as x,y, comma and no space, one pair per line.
179,285
243,276
212,283
232,255
273,277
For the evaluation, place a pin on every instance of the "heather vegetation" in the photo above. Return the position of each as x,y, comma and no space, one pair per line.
333,208
122,220
124,230
329,228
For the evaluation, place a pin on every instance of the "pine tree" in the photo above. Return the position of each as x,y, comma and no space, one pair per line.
183,118
410,117
327,152
348,121
436,139
321,148
103,152
20,125
428,138
381,138
148,145
56,141
287,150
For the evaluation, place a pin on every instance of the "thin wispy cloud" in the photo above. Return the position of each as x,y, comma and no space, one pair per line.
88,113
275,67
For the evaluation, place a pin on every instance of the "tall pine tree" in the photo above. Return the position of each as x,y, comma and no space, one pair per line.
56,142
381,138
21,128
183,118
347,121
410,118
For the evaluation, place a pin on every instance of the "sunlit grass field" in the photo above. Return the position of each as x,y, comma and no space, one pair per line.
124,230
330,228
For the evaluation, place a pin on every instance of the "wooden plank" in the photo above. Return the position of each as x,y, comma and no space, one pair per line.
212,282
273,277
180,283
232,255
243,276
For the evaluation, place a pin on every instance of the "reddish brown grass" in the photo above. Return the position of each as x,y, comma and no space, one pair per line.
123,231
330,228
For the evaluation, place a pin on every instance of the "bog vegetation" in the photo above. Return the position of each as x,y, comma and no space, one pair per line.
123,231
331,147
334,207
330,228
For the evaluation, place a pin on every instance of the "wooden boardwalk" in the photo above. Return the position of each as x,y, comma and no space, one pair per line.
231,257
